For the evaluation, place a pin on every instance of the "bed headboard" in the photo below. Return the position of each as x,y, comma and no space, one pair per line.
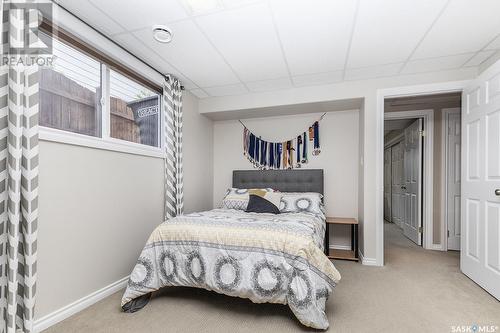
297,180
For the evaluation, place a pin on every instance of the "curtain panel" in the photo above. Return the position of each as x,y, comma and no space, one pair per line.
18,182
172,106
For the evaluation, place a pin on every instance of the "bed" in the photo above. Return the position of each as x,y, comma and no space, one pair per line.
260,256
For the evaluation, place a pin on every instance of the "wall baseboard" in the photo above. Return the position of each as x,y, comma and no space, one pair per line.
78,305
367,261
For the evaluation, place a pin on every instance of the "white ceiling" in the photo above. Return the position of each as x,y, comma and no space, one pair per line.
244,46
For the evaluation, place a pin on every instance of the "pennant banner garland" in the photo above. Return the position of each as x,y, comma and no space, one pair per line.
281,155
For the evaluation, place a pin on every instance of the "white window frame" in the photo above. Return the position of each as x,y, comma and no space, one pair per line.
106,142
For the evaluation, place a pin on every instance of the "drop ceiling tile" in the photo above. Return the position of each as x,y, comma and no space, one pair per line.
494,45
134,15
191,54
129,42
92,16
235,3
465,26
372,72
315,35
199,93
188,84
436,64
269,85
479,58
317,79
247,40
201,7
387,31
233,89
136,47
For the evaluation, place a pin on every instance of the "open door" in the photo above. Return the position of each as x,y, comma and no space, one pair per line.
480,218
387,185
397,205
453,150
412,225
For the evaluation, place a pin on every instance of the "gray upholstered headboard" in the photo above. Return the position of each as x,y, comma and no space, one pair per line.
303,180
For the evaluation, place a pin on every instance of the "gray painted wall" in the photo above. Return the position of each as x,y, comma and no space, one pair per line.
98,207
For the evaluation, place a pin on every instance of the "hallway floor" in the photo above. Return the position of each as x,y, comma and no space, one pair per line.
416,291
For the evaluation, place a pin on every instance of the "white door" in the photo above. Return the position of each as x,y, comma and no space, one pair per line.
453,152
412,225
480,227
387,184
397,202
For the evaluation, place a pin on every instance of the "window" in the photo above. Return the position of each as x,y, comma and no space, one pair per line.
88,99
70,91
134,111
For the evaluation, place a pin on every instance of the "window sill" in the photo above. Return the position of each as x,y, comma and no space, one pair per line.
111,144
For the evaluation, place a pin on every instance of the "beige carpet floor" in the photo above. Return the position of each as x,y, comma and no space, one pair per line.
416,291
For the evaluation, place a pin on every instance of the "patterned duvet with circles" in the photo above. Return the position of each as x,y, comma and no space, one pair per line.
262,257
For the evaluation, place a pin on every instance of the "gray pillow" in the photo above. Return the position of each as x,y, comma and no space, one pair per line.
258,204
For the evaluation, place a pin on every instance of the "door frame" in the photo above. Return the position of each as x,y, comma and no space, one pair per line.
444,172
382,94
427,117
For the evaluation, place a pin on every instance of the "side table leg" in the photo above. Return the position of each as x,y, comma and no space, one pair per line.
356,241
327,240
352,237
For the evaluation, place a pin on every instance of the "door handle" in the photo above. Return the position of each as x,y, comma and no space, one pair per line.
497,192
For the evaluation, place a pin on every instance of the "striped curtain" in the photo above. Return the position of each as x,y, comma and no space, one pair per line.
172,104
18,190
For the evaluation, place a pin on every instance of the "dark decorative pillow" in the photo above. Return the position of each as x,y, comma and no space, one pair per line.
259,204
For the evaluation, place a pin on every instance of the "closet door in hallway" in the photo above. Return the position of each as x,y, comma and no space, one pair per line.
453,151
412,226
387,184
397,200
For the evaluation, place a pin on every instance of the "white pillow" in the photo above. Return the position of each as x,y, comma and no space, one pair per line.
237,198
296,202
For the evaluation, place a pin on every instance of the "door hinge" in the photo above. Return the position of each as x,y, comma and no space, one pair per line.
422,133
448,233
420,229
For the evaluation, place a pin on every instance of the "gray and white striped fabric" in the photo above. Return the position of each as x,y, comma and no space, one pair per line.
18,190
172,104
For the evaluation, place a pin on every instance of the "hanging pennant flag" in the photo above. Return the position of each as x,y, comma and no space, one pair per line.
245,142
280,151
316,151
252,147
304,152
263,154
257,151
271,155
299,142
281,155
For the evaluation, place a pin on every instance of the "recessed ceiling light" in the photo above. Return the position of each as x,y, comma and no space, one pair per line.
162,33
202,6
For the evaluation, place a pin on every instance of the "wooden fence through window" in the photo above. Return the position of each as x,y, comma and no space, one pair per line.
69,106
